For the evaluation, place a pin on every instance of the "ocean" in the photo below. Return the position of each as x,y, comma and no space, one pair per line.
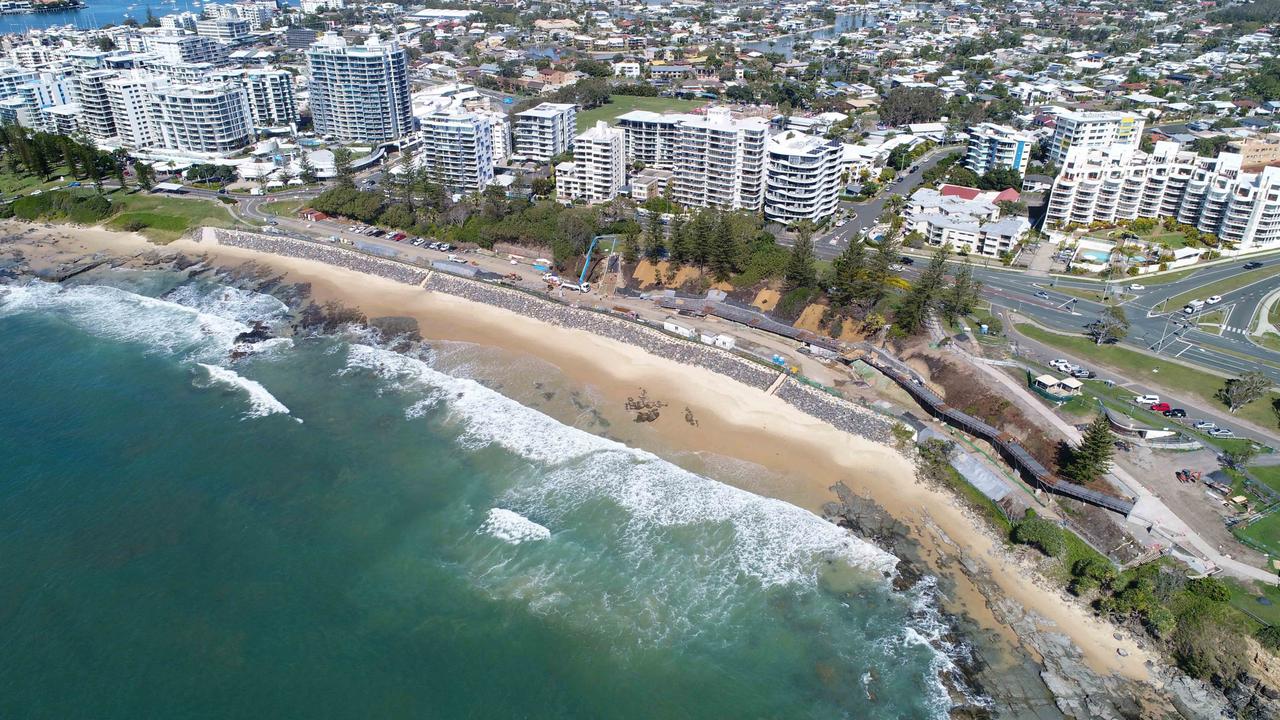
326,527
99,13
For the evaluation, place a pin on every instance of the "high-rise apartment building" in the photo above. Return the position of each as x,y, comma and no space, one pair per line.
270,91
802,178
457,150
91,94
651,138
1093,130
598,169
720,161
544,131
1212,194
359,93
185,48
209,119
130,99
994,146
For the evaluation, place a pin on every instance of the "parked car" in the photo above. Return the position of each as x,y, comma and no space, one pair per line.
1161,407
1082,373
1221,432
1137,286
1146,400
1213,300
1175,413
1252,265
1060,364
1204,425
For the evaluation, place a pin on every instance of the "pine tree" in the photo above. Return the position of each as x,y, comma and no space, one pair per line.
879,269
1092,458
959,299
722,253
916,306
630,248
848,273
801,271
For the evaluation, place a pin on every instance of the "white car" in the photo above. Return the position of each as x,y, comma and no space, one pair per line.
1137,286
1213,300
1146,400
1060,364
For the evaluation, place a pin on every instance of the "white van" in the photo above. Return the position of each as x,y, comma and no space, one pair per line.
1146,400
570,286
1194,306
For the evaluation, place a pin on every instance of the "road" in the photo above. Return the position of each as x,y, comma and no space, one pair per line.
864,215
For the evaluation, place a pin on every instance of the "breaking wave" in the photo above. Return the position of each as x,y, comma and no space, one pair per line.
512,527
261,401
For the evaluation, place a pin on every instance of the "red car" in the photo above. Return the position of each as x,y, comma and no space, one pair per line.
1160,407
399,236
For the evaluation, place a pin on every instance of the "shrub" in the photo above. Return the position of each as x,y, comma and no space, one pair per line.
1210,589
1040,534
1269,636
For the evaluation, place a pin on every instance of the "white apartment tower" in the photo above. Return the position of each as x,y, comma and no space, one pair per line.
130,99
802,178
544,131
651,138
184,48
1093,130
91,94
720,162
598,169
211,119
360,93
1212,194
994,146
270,92
457,150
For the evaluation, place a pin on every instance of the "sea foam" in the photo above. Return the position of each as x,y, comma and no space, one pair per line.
512,527
773,542
261,401
161,325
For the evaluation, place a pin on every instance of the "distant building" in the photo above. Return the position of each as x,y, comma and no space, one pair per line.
1093,130
546,130
1256,152
598,169
185,48
360,93
994,146
802,178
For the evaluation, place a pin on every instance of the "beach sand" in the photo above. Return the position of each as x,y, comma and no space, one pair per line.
806,455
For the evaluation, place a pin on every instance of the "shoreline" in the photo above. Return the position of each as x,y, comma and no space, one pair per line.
733,422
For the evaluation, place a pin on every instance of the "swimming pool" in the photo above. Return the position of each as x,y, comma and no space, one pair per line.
1101,257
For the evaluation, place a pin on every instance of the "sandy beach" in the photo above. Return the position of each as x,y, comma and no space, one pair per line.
807,455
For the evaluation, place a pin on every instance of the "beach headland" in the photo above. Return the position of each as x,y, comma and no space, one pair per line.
1090,667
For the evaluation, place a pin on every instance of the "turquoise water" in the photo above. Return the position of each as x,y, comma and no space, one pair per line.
329,529
1100,257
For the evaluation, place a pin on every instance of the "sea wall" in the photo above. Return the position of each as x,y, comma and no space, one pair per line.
842,414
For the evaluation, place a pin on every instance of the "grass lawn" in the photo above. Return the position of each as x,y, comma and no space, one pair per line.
11,184
626,103
1221,287
283,208
1246,598
1264,534
1139,367
165,218
1268,475
1166,277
